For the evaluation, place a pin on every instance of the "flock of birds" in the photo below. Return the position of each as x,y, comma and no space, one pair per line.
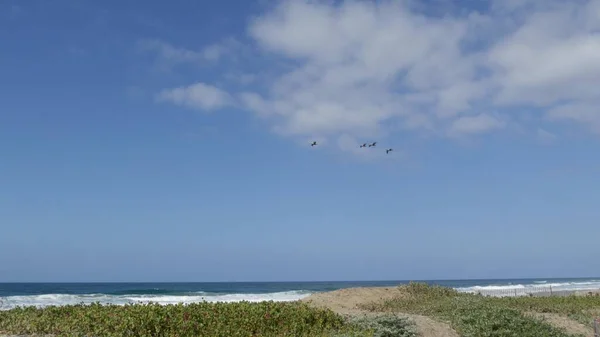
387,151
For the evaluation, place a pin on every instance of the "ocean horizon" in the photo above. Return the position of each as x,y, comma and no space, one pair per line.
43,294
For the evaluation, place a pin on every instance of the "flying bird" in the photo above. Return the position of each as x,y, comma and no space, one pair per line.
364,145
388,151
373,144
313,144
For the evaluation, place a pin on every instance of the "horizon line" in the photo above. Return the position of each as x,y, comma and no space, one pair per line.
326,281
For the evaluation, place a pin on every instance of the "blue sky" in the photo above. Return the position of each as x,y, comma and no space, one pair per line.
170,141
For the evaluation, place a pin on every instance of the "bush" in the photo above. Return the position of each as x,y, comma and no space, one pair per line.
200,319
386,326
423,289
485,320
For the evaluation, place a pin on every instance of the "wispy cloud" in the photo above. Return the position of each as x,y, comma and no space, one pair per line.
169,55
356,68
475,124
545,137
199,96
76,51
241,78
583,112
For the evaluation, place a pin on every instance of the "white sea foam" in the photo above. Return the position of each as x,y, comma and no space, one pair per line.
45,300
40,301
536,287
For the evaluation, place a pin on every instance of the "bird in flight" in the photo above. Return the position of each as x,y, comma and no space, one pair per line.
388,151
364,145
373,144
313,143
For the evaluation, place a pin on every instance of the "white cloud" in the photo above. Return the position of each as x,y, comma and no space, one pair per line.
362,65
587,113
360,70
545,137
475,124
200,96
350,57
552,57
169,55
168,52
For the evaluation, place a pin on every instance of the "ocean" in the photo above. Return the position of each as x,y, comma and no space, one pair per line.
44,294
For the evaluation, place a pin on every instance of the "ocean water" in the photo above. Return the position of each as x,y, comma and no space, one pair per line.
45,294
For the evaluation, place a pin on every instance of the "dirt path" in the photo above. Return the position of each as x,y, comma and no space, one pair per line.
566,323
345,302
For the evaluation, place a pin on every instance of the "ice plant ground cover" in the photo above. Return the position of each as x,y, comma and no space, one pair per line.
200,319
474,315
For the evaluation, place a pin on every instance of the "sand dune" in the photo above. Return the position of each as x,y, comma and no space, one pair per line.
345,302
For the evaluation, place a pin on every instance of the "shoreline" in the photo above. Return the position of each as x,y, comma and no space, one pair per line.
425,308
383,291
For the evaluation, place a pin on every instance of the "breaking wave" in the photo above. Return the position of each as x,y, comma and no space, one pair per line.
535,287
133,297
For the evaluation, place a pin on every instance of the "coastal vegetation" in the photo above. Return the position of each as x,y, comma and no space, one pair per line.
199,319
475,315
404,311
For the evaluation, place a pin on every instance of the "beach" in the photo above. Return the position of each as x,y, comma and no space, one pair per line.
44,294
433,311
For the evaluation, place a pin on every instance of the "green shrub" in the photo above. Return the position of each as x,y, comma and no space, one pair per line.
580,308
488,320
425,290
386,326
200,319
